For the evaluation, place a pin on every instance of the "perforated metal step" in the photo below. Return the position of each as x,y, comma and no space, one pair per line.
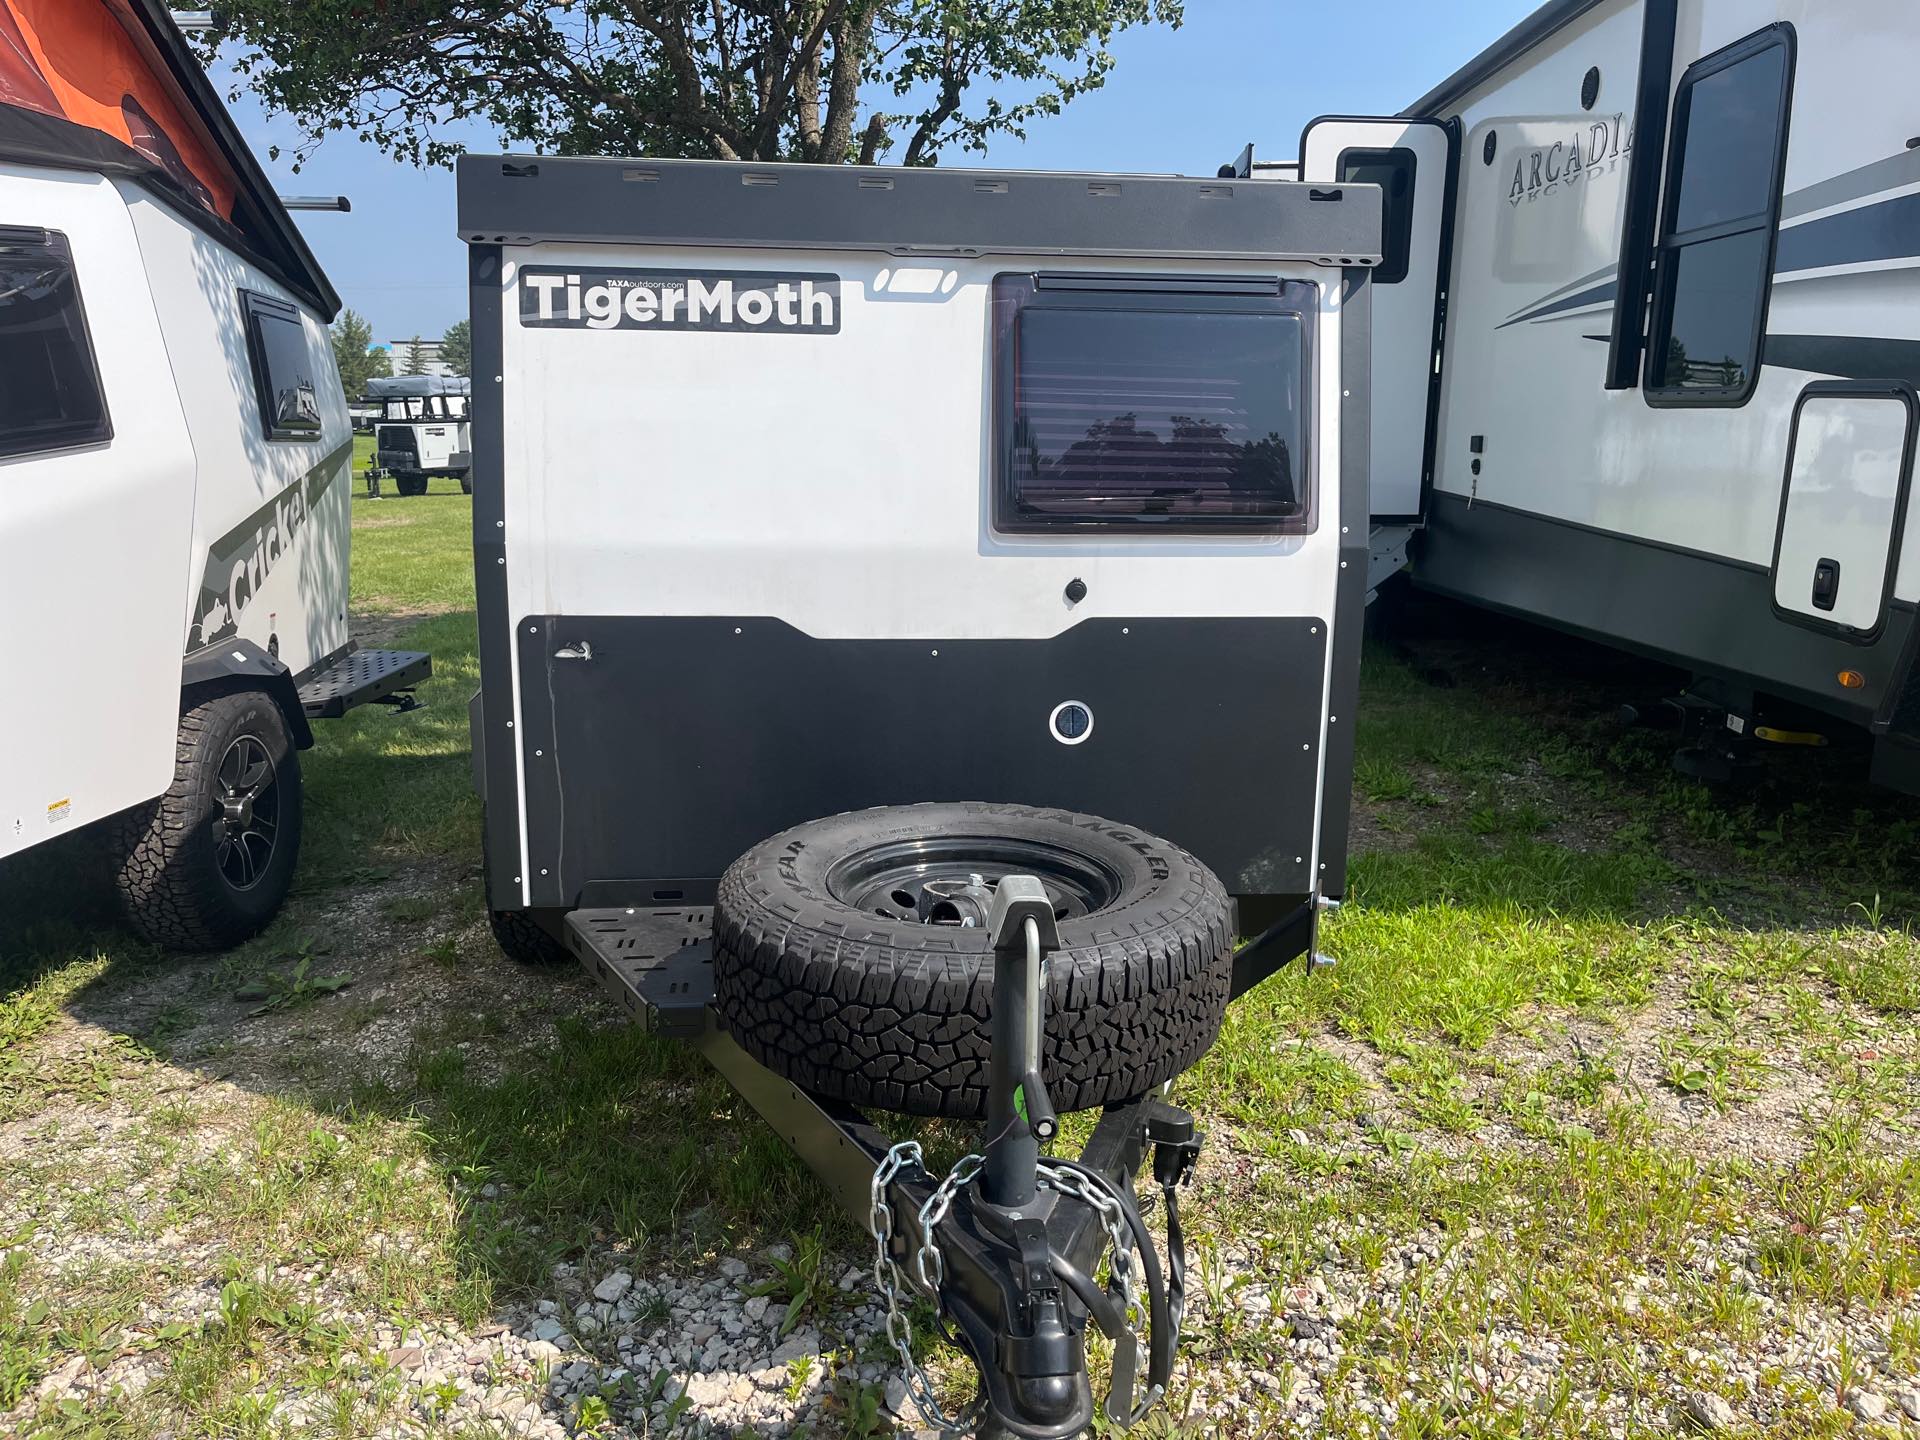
363,676
656,964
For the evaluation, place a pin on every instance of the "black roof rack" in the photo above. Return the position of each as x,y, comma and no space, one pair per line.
911,211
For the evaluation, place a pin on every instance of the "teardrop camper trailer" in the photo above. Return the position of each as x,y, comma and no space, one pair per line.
1653,283
174,461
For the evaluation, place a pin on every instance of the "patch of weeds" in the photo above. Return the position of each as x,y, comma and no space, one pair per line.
1432,1087
23,1015
444,952
798,1280
859,1409
1585,1079
299,986
592,1415
1380,779
26,1332
1712,1068
410,909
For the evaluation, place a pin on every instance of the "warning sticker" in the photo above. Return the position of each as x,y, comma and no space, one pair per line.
60,811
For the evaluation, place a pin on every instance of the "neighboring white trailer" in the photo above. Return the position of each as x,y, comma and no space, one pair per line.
423,430
175,464
1678,247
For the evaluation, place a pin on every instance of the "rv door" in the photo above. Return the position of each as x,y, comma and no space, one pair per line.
1412,162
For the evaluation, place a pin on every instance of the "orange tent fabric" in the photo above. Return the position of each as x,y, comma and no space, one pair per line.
79,60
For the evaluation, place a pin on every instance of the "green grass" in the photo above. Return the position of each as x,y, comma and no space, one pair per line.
1566,982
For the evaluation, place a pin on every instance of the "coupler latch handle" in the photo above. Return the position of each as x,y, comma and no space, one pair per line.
1020,1116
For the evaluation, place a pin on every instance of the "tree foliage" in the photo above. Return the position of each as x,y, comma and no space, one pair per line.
806,80
358,363
415,362
456,347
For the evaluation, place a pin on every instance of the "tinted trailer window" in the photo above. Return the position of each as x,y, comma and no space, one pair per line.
1158,408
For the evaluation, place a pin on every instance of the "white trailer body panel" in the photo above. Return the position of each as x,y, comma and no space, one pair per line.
723,478
94,547
271,528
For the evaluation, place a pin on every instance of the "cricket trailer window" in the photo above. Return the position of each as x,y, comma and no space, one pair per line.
1147,404
49,387
283,373
1715,259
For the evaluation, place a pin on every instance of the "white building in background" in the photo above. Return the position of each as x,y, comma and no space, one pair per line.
430,361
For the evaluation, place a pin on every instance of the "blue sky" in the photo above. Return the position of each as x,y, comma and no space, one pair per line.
1182,101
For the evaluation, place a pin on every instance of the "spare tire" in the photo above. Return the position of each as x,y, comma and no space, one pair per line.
827,973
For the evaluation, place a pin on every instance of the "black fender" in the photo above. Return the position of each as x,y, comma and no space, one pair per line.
237,664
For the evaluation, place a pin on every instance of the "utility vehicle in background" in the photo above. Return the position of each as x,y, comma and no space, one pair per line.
898,702
423,430
175,463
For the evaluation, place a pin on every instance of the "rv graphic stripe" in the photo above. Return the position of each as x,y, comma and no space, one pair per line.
1888,229
750,302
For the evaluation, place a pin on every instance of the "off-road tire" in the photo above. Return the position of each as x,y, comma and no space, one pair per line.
521,938
466,484
897,1014
166,853
410,484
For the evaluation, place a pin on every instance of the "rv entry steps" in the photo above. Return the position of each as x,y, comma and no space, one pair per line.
656,964
361,677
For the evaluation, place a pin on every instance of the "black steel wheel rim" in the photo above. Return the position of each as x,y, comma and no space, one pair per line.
945,880
247,794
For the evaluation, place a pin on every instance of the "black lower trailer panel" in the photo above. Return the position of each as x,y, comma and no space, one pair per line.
364,677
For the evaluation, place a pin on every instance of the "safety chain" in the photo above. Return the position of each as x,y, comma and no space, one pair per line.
886,1274
1079,1185
930,1266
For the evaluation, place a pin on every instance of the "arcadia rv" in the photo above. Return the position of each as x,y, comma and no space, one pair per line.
423,430
174,474
966,507
1653,280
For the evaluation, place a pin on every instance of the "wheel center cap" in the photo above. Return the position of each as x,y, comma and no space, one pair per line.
239,811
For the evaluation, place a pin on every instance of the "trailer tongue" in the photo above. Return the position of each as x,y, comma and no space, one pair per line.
807,499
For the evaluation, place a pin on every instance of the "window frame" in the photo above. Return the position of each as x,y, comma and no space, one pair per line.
1668,244
69,437
1156,294
255,306
1391,234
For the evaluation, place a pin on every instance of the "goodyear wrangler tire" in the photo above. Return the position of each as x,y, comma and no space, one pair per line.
206,865
825,972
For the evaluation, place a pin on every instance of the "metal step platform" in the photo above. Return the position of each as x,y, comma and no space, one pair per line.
362,677
657,965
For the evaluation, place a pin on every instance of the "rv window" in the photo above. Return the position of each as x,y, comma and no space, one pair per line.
1393,172
1123,409
1715,259
284,376
49,389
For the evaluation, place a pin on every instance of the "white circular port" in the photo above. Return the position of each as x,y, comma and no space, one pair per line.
1071,722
